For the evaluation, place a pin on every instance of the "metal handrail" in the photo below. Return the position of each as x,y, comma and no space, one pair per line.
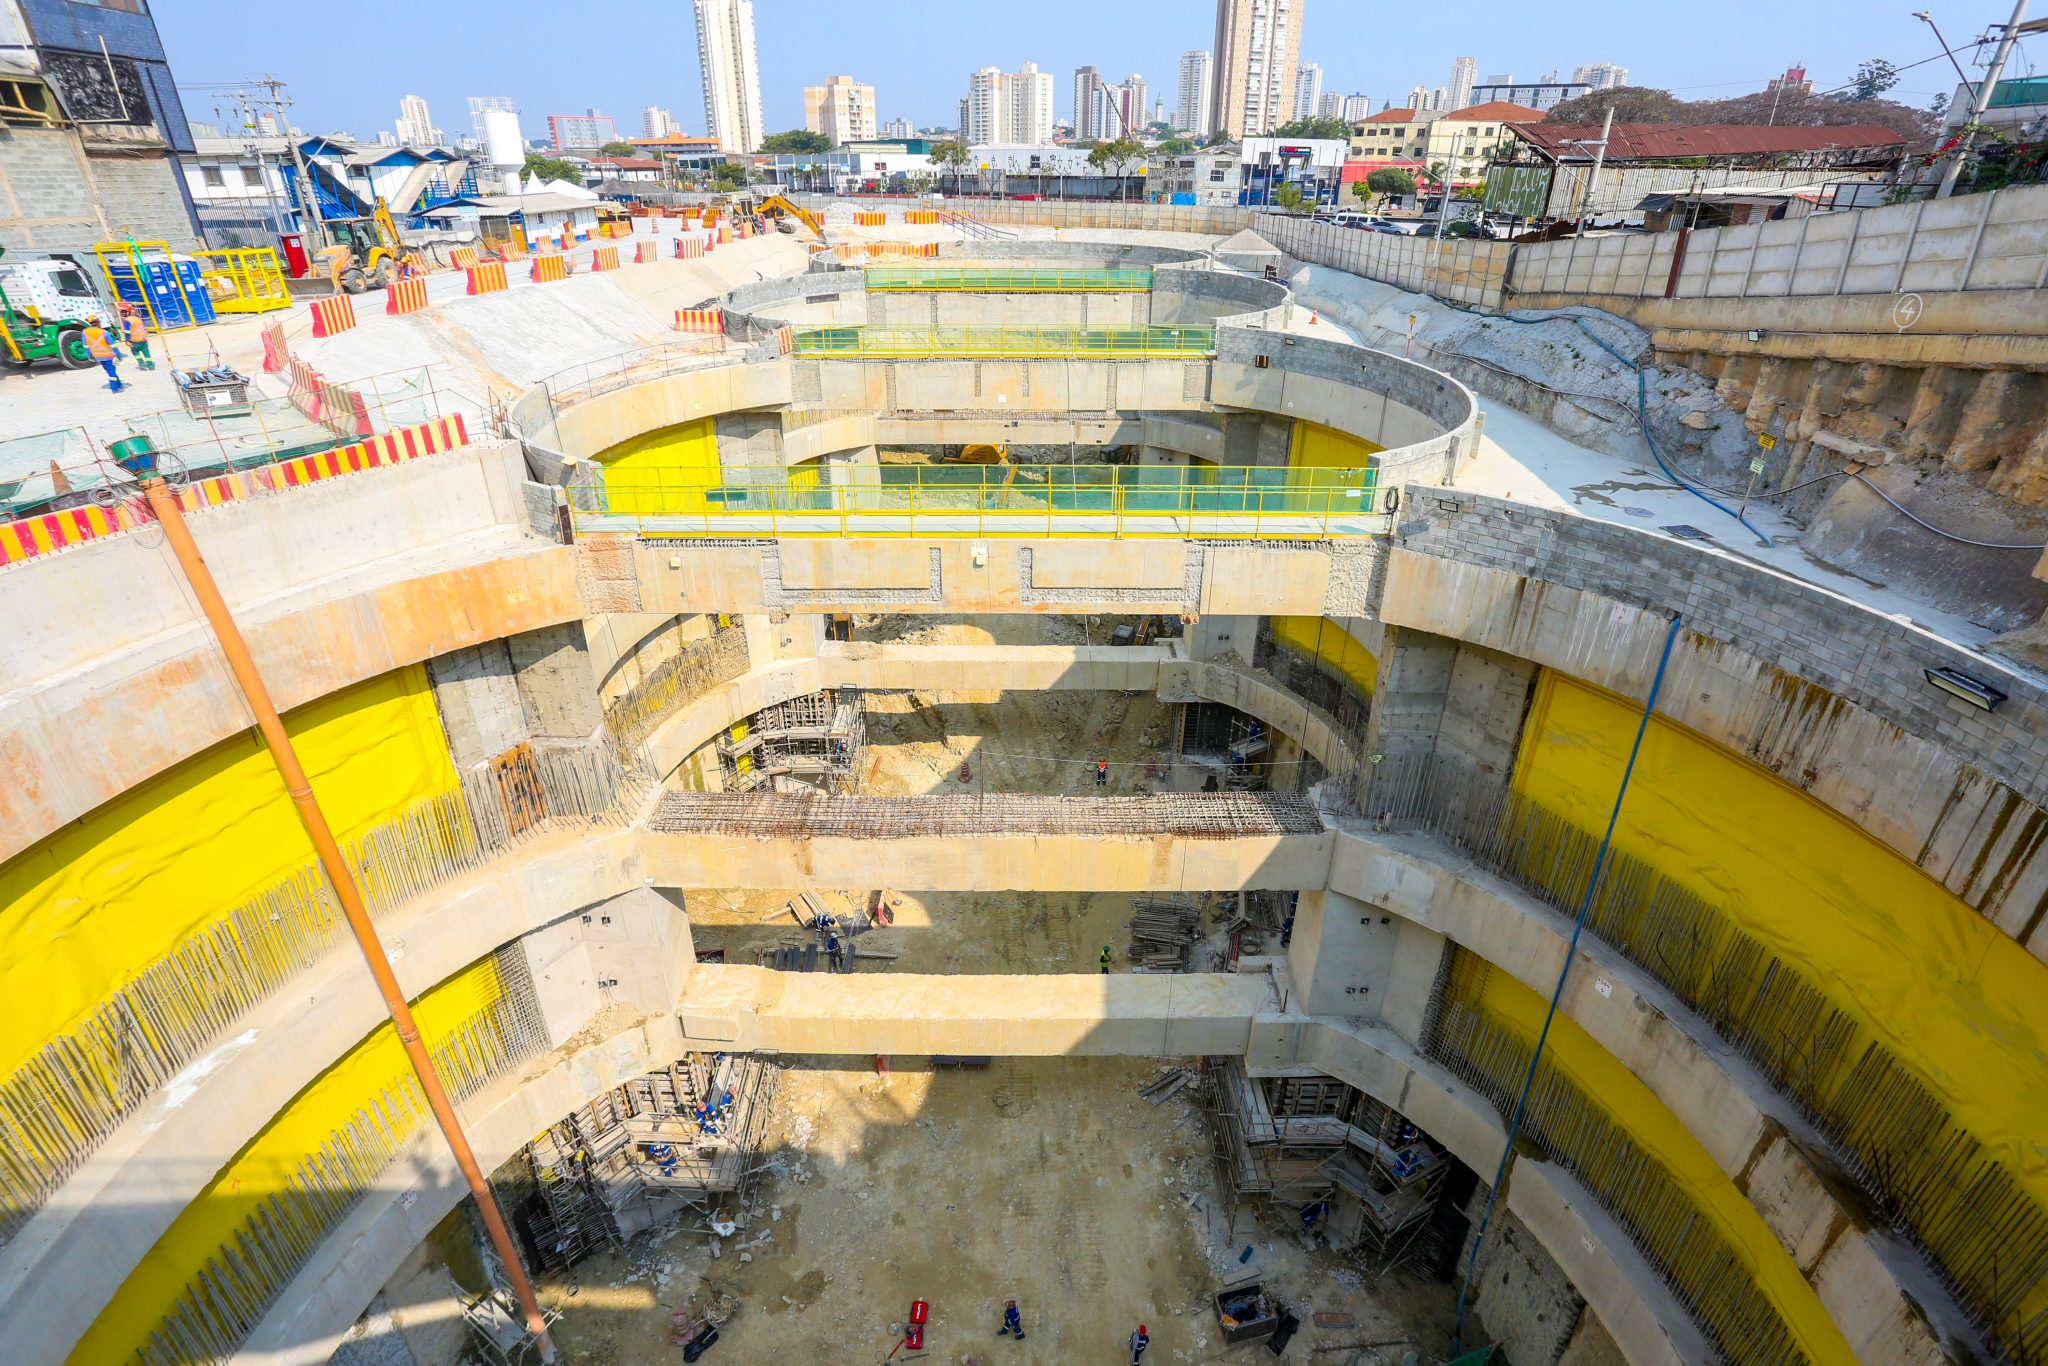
828,342
1010,280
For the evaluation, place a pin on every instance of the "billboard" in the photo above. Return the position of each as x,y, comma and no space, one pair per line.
1517,190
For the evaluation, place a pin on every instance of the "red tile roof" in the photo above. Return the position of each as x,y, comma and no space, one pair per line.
1646,141
1499,111
1390,116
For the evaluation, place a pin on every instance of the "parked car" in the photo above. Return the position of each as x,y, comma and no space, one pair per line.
1373,223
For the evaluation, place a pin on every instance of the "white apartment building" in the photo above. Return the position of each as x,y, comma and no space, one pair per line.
415,124
1191,115
1545,94
1601,75
1464,76
1122,110
1087,104
1308,89
656,122
1008,107
843,109
1258,46
732,74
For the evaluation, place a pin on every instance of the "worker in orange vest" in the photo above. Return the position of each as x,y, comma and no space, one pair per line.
101,348
135,332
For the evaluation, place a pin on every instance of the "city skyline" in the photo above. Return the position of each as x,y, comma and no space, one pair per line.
922,81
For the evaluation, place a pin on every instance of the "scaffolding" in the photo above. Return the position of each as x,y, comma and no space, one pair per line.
1238,748
809,743
683,1138
1366,1177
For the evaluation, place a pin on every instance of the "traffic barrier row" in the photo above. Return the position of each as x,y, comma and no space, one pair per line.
336,314
51,531
549,267
400,296
700,320
689,249
874,251
486,277
927,217
604,258
336,407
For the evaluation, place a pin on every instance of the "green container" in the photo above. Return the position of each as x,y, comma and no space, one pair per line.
135,454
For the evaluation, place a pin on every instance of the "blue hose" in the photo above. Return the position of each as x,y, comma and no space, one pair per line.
1571,953
1643,414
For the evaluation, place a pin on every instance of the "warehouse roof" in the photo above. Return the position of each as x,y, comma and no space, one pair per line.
1655,141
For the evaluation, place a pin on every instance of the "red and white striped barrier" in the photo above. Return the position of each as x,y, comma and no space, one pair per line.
405,296
700,320
643,252
486,277
550,267
276,355
330,316
689,249
604,258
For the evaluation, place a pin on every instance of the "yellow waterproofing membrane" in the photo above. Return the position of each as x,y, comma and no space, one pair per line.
1324,448
265,1165
92,905
666,471
1948,994
1331,648
1613,1089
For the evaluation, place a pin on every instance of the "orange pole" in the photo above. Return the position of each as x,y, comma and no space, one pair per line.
172,518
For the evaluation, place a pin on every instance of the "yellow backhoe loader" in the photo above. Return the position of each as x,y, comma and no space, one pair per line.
362,252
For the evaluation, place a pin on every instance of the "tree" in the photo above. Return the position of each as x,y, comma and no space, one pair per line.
951,156
1115,154
1290,197
1315,128
1873,78
796,140
1388,182
619,149
730,175
1173,147
550,168
1785,108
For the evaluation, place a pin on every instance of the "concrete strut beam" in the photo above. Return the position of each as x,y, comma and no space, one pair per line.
1179,815
1115,1015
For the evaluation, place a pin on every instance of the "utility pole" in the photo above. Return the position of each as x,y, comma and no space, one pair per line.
1985,89
1593,180
309,196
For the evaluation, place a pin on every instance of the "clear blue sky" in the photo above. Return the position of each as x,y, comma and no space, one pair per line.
562,58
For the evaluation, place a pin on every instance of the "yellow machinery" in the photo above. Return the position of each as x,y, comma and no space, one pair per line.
363,252
775,206
245,280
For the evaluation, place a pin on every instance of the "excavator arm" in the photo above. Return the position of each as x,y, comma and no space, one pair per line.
776,206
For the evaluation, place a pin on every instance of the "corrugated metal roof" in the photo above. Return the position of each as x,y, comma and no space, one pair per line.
1648,141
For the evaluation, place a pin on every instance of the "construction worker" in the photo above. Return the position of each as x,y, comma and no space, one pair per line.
101,348
1140,1340
1105,960
1102,772
135,332
1013,1322
832,951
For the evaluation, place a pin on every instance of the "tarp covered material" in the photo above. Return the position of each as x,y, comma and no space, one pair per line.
1945,991
650,474
1610,1087
264,1166
92,905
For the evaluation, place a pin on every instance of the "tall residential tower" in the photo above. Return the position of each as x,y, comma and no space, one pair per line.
1191,114
1258,45
732,75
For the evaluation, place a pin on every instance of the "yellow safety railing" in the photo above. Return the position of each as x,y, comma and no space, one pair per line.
1097,501
1001,280
246,280
951,342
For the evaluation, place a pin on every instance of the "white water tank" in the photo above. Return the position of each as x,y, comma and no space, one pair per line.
502,143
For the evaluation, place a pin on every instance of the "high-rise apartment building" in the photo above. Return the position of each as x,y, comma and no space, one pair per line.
415,124
1124,109
1601,75
1258,45
732,75
585,132
843,109
656,122
1087,104
1013,107
1545,94
1464,76
1355,108
898,128
1308,89
1192,113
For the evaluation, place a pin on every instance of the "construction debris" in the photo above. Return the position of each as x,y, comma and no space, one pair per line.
1163,930
1186,815
1167,1085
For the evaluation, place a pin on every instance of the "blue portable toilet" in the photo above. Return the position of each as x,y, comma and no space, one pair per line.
168,288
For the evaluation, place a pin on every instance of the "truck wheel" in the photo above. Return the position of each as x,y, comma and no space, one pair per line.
383,276
353,280
71,350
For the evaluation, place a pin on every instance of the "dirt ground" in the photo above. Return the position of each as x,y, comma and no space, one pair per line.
1047,1180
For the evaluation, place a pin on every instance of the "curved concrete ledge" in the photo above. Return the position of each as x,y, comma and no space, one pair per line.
418,1189
1880,1293
333,584
1825,693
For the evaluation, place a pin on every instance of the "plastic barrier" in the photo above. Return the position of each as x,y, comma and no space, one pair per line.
689,249
487,277
400,296
604,258
550,267
463,257
330,316
276,355
927,217
869,220
700,320
643,252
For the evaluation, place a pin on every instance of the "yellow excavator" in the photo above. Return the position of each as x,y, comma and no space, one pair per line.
775,206
363,252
